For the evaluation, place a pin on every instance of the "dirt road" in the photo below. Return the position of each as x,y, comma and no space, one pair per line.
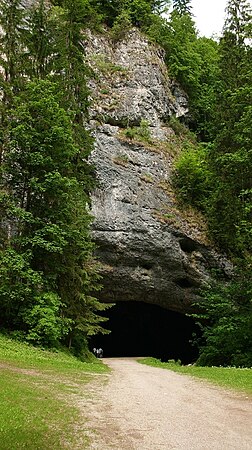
147,408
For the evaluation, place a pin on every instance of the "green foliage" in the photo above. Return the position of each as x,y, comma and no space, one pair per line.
226,321
203,99
45,325
19,284
47,270
50,245
221,100
139,11
37,39
217,179
181,55
141,132
192,176
68,67
11,46
231,159
182,6
193,61
121,26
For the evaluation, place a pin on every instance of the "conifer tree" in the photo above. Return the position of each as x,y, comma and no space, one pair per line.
47,271
46,262
233,46
12,19
231,209
182,6
38,41
12,22
181,54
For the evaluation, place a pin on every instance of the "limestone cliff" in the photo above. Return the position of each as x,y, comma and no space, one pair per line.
149,249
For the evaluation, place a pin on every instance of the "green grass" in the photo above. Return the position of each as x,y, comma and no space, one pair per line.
32,416
228,377
39,392
25,355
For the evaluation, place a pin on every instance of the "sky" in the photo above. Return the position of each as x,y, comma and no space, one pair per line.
209,15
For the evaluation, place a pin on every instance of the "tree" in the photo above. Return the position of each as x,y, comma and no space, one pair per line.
38,38
69,68
12,23
182,7
231,159
203,98
234,44
226,320
51,264
48,277
139,11
181,56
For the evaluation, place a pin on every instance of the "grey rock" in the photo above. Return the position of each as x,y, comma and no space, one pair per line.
144,258
132,82
149,250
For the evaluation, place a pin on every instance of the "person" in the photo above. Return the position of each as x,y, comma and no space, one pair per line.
100,353
95,351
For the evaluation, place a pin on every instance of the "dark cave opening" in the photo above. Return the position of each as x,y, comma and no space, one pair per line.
142,329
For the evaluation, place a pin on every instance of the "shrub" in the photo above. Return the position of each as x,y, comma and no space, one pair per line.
192,175
142,132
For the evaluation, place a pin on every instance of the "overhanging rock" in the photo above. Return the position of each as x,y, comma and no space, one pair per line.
149,249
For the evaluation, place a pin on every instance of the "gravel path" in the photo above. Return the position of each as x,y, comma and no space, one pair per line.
148,408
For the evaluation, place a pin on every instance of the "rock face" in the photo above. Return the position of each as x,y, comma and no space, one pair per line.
149,250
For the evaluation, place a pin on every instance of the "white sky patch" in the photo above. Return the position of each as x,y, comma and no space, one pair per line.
209,16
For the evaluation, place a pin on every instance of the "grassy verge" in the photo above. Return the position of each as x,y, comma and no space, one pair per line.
24,355
39,393
228,377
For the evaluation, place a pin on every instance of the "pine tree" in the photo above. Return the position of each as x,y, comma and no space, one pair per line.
182,7
38,37
181,54
48,262
47,271
233,45
69,65
231,208
12,22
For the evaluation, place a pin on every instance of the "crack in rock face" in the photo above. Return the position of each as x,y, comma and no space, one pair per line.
149,250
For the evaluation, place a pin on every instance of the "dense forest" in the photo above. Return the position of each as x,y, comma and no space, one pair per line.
48,276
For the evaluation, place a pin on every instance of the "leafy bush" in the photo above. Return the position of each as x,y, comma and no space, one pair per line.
226,321
192,175
179,128
142,132
46,327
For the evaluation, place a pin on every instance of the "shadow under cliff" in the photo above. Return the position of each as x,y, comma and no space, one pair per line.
142,329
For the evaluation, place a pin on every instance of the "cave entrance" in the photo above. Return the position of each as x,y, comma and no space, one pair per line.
142,329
